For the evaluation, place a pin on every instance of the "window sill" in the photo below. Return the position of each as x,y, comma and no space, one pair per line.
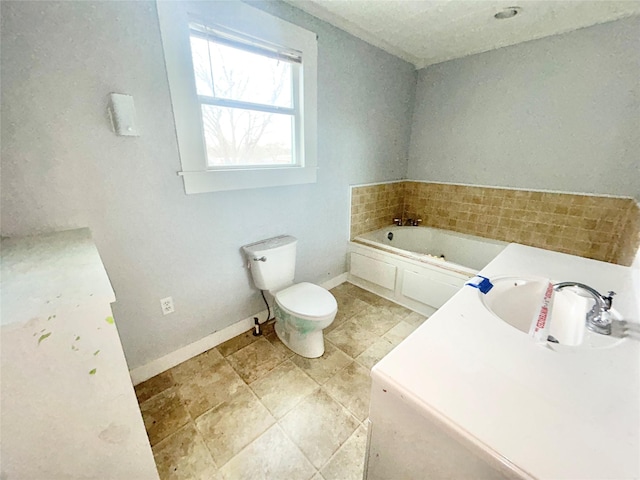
225,180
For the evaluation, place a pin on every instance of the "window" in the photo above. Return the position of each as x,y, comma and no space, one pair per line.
243,89
248,97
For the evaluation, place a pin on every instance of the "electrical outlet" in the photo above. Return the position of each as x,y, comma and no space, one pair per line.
167,305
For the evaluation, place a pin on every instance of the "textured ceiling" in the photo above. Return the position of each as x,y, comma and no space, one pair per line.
425,32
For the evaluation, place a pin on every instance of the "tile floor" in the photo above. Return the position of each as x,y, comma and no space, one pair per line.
252,409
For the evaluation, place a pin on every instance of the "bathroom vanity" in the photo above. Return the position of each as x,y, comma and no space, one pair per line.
467,395
68,406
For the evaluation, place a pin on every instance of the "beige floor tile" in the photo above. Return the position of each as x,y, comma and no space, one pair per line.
273,339
323,368
348,306
364,295
398,333
235,426
318,426
256,360
236,343
415,319
341,290
270,457
268,328
374,353
377,320
348,462
347,309
195,365
153,386
203,389
184,456
232,425
283,388
163,415
335,324
396,309
349,288
352,338
351,387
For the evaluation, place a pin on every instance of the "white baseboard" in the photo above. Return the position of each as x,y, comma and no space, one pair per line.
335,281
155,367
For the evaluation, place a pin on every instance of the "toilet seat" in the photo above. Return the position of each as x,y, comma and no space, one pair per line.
307,300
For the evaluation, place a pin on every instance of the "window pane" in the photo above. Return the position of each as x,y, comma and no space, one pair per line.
237,137
201,66
250,77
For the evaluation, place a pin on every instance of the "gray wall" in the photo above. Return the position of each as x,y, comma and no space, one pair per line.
62,167
560,113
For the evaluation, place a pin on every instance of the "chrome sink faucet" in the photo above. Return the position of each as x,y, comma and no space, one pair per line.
598,318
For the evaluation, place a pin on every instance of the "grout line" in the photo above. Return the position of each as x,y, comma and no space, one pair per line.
171,434
345,441
299,400
218,404
206,446
297,446
333,455
339,402
173,384
319,387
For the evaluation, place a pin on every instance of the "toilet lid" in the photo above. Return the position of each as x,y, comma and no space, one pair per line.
307,299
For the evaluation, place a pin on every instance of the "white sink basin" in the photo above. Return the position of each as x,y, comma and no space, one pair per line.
517,301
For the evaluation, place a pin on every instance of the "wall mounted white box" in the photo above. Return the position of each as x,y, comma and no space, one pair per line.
123,114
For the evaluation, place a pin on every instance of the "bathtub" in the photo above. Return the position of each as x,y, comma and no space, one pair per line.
418,267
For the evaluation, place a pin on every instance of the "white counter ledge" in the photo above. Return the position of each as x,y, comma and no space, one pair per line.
526,409
68,406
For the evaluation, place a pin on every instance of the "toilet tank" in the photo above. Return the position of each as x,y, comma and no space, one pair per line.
272,262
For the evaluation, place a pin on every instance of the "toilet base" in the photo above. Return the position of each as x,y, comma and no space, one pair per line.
308,345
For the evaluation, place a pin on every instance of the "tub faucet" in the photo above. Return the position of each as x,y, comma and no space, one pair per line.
408,221
598,318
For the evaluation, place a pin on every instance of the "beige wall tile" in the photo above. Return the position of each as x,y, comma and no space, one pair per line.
602,228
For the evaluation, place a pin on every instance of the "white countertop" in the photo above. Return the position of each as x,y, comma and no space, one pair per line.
45,274
69,410
556,414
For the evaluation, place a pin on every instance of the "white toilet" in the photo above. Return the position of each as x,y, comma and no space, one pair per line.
302,310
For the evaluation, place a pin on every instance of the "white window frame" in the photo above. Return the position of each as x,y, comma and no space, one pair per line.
174,18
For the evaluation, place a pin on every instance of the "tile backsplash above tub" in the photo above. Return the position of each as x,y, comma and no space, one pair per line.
375,206
602,228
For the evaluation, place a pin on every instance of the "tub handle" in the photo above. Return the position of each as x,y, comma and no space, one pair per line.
261,259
